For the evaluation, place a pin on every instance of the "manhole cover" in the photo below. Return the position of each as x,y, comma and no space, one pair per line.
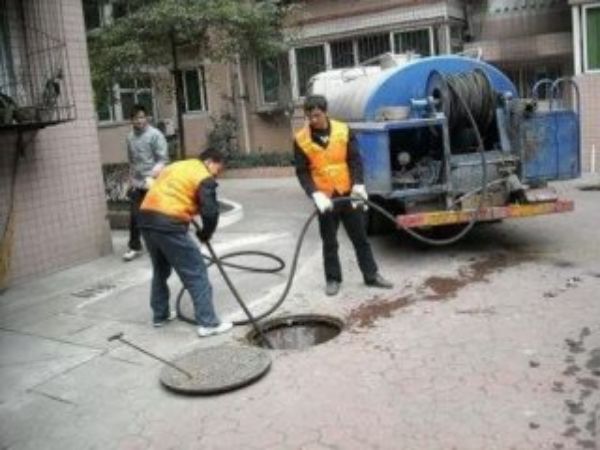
297,332
214,370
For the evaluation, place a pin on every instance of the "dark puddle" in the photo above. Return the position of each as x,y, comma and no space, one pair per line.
590,187
439,288
365,315
580,387
445,288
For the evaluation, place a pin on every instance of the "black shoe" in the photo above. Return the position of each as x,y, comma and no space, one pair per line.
332,288
379,282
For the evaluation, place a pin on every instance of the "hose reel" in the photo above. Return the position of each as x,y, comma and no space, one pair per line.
474,88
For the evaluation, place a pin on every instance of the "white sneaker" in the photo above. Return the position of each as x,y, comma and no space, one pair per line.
160,323
211,331
131,254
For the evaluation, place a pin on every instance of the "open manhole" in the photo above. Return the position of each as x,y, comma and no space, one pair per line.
297,332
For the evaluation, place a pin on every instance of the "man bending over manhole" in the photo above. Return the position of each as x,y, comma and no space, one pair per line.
181,191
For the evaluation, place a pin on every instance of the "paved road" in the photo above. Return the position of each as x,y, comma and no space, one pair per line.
493,343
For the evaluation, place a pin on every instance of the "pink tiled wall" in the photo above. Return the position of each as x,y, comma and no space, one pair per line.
60,211
589,86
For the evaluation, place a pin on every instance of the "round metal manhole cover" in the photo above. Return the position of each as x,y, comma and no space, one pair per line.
214,370
297,332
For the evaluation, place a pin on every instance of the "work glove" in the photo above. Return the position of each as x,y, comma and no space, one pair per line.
148,182
203,236
359,191
322,202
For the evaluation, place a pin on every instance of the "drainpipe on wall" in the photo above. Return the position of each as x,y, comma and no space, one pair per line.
575,17
243,98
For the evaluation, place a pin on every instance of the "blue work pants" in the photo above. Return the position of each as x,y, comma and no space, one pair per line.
177,250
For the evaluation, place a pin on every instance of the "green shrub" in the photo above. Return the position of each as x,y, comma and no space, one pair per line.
116,181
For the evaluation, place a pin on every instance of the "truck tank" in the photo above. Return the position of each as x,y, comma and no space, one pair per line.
421,152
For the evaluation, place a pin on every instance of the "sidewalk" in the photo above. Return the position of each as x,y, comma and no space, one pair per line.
490,344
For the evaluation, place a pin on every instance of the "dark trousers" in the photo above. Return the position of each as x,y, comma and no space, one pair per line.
178,251
354,223
136,197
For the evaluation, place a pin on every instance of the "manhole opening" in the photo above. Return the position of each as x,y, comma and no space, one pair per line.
297,332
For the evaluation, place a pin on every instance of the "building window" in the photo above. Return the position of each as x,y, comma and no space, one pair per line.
525,76
591,37
309,61
7,75
194,90
369,47
351,52
270,80
415,41
342,54
98,13
116,106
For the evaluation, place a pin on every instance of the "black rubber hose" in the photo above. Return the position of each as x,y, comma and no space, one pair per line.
437,242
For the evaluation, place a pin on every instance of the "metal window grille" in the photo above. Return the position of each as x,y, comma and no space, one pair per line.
309,61
193,87
35,80
372,46
416,41
342,54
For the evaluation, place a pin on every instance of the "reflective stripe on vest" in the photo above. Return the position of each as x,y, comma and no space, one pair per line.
328,166
174,192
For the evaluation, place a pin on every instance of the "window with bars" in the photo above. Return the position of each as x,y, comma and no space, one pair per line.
372,46
309,62
36,89
192,83
525,76
270,81
415,41
350,52
342,54
97,13
117,105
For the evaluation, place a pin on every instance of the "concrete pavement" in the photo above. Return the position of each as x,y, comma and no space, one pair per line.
493,343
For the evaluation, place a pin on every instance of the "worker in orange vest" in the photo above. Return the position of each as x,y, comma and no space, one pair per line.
328,165
182,190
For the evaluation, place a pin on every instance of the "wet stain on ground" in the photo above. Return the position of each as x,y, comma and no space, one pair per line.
367,314
590,187
488,311
437,288
581,390
478,271
563,264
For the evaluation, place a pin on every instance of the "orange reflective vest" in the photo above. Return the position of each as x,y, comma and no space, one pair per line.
328,166
174,192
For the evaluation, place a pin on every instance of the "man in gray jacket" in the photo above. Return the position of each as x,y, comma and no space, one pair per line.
147,153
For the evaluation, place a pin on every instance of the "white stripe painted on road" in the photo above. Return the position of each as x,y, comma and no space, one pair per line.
144,274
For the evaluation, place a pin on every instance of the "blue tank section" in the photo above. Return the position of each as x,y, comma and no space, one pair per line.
397,87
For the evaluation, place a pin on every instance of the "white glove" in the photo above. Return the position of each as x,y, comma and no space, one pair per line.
148,182
322,202
359,191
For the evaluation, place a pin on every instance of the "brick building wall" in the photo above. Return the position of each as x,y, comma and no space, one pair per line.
589,86
59,207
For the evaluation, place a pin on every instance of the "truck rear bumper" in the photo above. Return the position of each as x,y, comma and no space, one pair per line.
439,218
